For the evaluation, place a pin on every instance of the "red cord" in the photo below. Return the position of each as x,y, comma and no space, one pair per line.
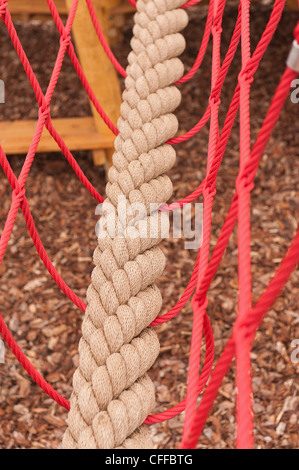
199,306
249,318
228,124
251,323
251,169
243,381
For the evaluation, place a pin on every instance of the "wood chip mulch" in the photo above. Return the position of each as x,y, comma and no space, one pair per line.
46,324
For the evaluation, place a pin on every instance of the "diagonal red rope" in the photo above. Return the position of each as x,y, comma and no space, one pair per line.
226,131
251,169
18,184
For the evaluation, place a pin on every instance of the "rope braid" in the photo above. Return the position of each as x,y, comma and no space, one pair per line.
112,393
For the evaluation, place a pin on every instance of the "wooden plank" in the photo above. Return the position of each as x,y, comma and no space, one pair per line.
98,69
40,7
78,133
292,5
19,7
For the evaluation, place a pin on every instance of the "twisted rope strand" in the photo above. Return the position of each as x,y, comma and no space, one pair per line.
114,359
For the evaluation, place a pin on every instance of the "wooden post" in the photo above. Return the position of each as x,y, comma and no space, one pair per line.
98,69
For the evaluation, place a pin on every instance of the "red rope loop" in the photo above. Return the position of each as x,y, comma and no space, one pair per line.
18,195
44,113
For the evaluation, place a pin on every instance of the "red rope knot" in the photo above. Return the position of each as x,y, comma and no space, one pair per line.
245,76
65,39
18,194
243,183
199,302
44,112
214,101
209,191
3,8
216,28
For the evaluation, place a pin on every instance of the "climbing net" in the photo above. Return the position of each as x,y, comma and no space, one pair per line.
250,316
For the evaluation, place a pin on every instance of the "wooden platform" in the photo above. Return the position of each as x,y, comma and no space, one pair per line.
38,7
78,134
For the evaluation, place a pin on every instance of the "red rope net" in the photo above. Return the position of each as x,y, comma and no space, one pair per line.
249,317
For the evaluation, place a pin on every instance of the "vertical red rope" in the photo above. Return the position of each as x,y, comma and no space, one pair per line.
244,411
224,362
199,305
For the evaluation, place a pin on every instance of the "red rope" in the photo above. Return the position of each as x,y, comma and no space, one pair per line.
250,323
251,169
249,318
226,131
244,424
208,194
243,381
18,185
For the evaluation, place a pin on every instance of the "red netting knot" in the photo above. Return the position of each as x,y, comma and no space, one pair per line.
245,76
209,192
243,182
199,302
212,191
214,101
65,39
216,29
44,111
18,194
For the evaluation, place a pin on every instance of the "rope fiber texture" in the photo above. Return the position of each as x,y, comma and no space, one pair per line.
112,394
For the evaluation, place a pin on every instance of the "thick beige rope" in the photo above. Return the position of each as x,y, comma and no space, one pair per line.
112,393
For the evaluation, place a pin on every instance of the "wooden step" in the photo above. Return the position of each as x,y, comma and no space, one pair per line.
39,7
78,134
